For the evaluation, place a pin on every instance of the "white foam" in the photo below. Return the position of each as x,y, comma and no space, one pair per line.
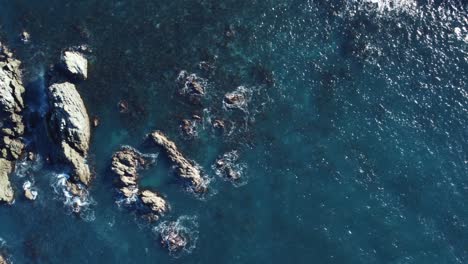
74,203
230,161
28,186
185,226
390,5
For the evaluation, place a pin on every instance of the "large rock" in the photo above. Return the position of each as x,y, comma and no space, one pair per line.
70,128
6,192
75,64
186,169
11,120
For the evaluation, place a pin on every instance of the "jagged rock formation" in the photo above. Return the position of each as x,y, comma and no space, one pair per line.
6,192
70,129
186,169
125,164
11,120
75,64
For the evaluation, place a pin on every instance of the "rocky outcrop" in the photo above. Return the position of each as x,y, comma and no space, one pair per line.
186,169
6,192
75,64
125,164
11,120
70,128
3,260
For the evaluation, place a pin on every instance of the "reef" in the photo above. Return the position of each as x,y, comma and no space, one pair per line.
185,169
11,119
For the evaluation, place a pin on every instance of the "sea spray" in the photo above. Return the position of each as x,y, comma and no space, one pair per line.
180,236
78,204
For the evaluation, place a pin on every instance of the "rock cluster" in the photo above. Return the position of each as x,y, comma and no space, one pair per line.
186,169
125,164
11,120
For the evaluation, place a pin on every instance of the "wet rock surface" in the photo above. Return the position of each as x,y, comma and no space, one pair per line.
185,168
11,120
75,64
70,128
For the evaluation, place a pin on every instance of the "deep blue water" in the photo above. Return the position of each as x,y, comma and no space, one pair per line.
354,141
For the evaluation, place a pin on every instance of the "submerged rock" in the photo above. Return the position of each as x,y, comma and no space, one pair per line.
228,167
70,128
192,85
186,169
6,192
189,127
75,64
179,236
238,98
173,240
11,120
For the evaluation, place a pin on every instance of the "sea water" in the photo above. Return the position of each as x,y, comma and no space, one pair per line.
352,144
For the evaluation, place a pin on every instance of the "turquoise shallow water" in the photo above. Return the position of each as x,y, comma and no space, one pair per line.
354,141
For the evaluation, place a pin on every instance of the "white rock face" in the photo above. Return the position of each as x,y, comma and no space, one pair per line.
76,64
